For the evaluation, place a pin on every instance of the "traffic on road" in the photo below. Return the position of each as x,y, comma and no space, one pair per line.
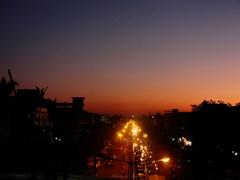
129,155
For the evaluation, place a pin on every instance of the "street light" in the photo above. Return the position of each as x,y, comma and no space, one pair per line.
165,160
145,135
120,135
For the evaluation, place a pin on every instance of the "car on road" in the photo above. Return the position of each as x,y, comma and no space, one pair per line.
141,176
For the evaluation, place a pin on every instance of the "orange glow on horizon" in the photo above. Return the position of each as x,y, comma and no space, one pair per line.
128,105
143,101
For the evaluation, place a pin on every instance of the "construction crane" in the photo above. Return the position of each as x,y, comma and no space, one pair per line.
13,83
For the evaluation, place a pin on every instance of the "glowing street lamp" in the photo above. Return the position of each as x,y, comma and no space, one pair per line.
165,160
145,135
120,135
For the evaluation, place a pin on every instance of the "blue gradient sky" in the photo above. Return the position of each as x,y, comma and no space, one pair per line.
124,56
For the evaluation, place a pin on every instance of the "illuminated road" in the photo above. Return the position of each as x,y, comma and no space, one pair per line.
129,156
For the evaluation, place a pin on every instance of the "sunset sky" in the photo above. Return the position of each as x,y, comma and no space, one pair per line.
124,56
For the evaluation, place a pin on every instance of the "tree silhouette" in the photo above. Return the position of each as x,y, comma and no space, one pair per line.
211,105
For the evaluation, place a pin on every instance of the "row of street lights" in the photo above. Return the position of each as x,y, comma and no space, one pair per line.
132,133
